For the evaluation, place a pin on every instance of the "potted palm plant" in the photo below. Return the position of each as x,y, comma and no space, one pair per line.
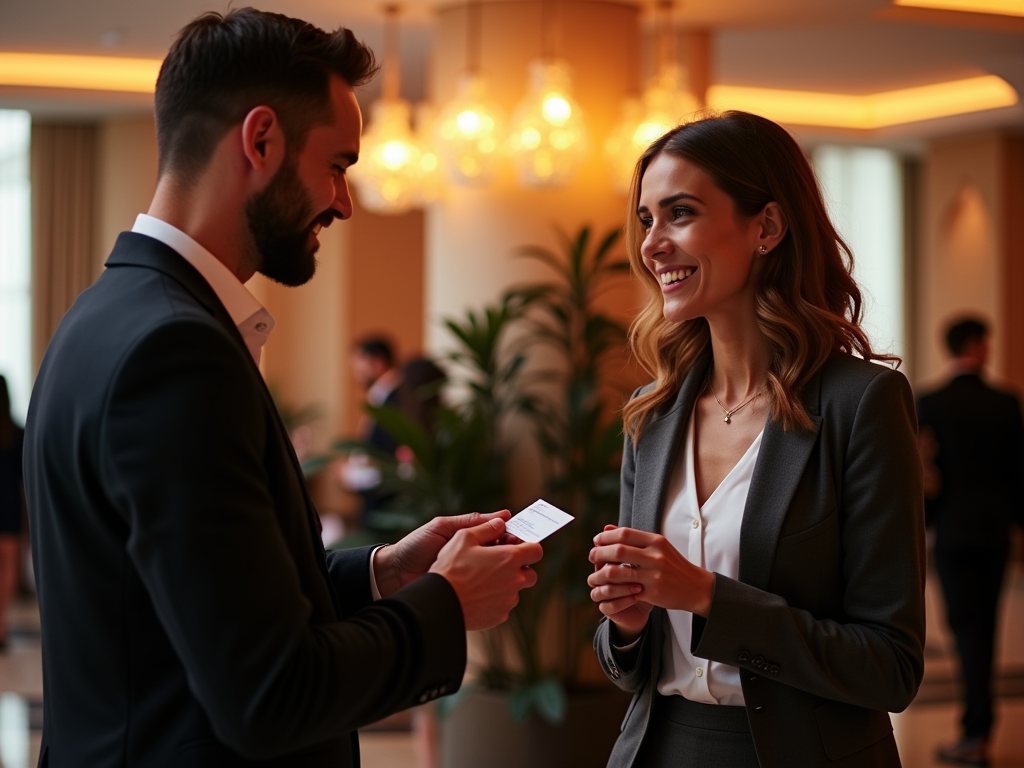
543,353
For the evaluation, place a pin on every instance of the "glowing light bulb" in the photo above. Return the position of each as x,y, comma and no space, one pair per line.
391,169
469,133
548,137
666,103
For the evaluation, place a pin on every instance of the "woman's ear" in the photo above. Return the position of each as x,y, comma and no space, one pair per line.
773,228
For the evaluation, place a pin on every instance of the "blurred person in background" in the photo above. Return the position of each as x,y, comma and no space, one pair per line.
764,589
11,506
373,368
972,443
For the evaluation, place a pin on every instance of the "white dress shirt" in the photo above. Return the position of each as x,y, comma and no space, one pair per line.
253,320
707,536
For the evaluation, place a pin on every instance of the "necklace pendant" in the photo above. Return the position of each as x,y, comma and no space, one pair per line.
727,418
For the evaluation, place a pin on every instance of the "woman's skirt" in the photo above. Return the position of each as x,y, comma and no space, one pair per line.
688,734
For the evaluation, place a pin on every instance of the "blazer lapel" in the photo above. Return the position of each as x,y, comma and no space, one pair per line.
777,472
658,450
133,249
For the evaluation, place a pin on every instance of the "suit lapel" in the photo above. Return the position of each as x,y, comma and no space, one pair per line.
133,249
657,451
780,465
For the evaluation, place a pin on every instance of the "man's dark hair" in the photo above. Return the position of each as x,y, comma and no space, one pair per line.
377,347
964,332
221,67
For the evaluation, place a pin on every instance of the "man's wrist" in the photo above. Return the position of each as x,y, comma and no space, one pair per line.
384,580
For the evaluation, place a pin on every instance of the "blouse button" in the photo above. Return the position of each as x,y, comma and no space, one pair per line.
700,671
696,523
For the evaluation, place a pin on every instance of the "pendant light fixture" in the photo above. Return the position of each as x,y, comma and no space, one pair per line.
548,135
666,102
470,126
390,170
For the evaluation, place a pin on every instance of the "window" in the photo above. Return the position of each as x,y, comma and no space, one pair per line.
15,259
863,190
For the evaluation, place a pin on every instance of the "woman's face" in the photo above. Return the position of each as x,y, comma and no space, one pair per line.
696,245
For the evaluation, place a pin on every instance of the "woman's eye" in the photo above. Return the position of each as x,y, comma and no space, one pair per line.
680,211
646,224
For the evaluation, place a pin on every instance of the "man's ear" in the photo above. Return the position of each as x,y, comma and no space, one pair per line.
263,141
773,228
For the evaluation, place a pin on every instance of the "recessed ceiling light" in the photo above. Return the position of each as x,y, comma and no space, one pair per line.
1000,7
111,38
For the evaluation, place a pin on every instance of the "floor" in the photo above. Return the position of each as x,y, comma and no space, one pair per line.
931,720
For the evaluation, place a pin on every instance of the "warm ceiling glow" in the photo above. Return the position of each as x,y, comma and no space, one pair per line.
877,110
1001,7
95,73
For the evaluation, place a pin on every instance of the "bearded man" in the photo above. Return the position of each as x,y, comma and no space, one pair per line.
190,615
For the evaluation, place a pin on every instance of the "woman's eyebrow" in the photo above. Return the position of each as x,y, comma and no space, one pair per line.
676,198
669,200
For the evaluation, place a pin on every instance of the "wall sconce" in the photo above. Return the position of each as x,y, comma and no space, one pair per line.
470,126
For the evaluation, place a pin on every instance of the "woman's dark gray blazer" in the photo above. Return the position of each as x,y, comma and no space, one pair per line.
826,619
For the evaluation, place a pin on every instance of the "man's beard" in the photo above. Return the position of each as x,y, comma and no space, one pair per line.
281,222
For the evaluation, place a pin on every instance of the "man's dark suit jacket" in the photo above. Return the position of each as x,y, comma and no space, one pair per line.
190,615
980,461
826,619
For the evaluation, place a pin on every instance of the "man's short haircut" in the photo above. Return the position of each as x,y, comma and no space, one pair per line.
378,347
963,332
221,67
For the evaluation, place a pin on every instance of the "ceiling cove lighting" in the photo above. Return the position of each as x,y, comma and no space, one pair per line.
93,73
868,112
999,7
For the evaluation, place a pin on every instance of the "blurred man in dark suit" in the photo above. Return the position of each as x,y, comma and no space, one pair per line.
190,615
973,435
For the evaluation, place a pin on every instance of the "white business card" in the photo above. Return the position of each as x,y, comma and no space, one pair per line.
537,521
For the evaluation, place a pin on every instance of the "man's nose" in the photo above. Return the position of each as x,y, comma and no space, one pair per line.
342,207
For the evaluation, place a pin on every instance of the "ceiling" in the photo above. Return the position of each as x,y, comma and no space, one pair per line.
838,46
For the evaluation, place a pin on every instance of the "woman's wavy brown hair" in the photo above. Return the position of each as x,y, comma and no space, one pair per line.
808,305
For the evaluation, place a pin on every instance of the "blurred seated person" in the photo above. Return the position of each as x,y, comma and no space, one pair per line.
373,367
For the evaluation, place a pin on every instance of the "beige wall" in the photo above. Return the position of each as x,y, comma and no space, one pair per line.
971,250
961,246
126,177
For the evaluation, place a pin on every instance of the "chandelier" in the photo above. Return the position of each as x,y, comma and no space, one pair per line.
666,102
470,127
393,166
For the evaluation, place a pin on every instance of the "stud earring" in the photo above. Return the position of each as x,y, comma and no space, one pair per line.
762,250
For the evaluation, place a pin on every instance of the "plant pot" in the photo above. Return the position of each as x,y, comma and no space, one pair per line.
479,732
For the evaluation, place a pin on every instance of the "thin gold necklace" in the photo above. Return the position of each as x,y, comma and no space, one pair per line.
727,411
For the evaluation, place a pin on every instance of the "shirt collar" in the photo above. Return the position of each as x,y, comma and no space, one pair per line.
240,304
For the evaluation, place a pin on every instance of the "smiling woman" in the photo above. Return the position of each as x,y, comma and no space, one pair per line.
764,587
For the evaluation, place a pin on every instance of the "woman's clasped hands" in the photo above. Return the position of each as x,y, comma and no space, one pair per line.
635,571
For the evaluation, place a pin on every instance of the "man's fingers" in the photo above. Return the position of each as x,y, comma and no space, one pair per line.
449,526
485,533
529,577
528,552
